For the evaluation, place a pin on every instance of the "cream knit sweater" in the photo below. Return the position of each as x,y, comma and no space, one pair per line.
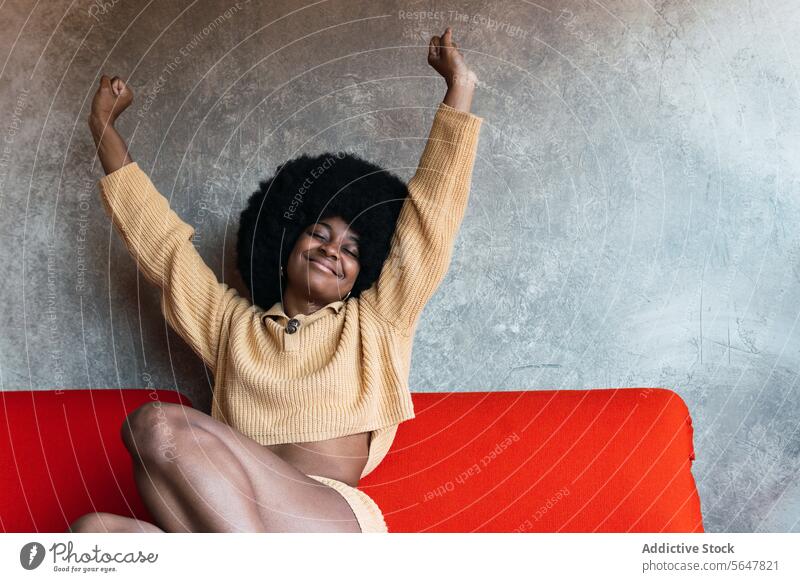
345,370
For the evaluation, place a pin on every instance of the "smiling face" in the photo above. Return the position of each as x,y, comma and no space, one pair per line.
324,265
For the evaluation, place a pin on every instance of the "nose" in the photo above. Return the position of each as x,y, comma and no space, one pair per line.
326,249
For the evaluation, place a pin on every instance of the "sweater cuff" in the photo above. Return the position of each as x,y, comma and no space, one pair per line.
454,142
122,175
124,190
459,113
135,203
460,125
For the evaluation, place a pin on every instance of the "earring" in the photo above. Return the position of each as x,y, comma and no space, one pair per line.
281,270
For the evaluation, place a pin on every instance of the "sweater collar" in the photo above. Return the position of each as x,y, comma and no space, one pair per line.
277,309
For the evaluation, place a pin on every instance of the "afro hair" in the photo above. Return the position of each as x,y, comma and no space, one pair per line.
304,191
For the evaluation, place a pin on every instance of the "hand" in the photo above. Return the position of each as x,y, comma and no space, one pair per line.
443,56
112,98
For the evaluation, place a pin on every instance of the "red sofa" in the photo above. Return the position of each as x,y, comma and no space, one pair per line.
606,460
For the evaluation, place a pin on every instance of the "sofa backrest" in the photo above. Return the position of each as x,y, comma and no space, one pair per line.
605,460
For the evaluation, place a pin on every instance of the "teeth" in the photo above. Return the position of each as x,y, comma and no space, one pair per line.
324,266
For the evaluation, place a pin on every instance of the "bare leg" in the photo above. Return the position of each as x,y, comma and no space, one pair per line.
195,473
111,523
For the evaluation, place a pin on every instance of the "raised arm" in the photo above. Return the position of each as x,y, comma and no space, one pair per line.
192,299
431,216
113,97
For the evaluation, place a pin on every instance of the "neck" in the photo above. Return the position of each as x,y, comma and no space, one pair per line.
293,305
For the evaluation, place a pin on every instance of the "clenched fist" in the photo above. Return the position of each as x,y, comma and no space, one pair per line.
443,56
112,98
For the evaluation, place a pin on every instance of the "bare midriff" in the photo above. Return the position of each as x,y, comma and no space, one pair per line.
342,458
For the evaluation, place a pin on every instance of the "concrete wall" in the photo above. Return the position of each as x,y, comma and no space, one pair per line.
632,221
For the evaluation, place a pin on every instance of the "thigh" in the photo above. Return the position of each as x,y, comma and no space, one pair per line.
287,499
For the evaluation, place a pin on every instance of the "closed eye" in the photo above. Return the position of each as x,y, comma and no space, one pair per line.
320,237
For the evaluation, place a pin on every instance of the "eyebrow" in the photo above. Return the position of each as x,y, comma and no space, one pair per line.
351,235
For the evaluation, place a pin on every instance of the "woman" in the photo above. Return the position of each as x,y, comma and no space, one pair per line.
308,394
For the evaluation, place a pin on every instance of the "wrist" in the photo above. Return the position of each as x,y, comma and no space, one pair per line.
98,126
458,98
465,79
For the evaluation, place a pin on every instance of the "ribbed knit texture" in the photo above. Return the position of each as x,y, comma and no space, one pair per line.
345,370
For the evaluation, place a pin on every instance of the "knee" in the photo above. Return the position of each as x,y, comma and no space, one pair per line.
89,523
154,431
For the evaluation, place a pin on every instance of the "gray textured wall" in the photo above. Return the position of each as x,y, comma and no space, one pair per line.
633,219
